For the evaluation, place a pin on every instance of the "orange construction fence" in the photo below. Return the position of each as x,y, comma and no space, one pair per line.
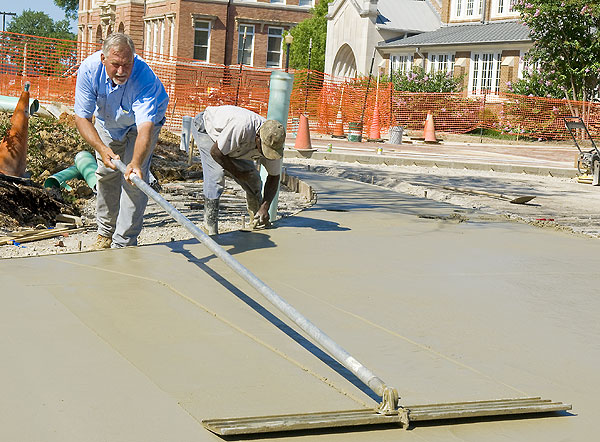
51,67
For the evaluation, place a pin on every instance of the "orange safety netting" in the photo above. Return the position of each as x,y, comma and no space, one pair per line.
51,67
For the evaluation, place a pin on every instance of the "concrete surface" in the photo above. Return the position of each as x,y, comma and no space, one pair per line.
140,344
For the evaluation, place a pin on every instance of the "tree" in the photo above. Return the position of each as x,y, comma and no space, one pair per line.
566,48
537,84
40,24
69,6
314,27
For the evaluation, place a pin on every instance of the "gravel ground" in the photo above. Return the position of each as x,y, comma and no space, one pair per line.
560,203
159,227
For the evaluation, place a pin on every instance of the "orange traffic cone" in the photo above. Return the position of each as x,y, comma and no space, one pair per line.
374,131
338,129
13,149
303,136
429,130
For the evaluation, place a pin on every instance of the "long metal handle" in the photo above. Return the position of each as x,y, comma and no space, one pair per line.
342,356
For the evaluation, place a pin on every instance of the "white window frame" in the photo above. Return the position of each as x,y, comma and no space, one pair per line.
247,48
503,8
280,36
171,36
401,63
154,36
161,49
447,60
484,73
466,9
209,30
524,64
306,3
148,42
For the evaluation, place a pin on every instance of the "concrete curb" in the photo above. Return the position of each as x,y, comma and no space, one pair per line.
405,161
296,185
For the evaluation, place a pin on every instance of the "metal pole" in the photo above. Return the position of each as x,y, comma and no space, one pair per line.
342,356
4,14
237,91
287,57
307,75
362,117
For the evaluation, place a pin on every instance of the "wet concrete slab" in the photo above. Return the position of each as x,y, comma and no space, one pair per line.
143,343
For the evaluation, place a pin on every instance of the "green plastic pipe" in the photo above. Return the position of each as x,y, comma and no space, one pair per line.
59,179
86,165
280,91
8,104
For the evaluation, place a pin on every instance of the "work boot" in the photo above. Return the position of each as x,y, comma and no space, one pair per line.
211,216
102,242
253,204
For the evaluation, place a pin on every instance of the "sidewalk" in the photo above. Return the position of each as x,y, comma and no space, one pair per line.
522,158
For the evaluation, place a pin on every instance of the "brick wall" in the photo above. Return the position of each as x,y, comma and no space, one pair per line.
463,70
223,47
509,72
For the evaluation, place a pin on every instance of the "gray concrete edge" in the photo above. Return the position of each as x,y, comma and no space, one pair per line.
558,172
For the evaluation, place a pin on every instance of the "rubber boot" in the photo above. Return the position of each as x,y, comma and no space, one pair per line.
211,216
253,204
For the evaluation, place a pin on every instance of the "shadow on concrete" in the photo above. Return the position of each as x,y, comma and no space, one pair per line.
313,223
257,240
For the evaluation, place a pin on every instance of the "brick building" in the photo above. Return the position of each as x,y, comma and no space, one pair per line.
482,40
205,31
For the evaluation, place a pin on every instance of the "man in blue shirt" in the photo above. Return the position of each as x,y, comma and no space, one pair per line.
128,102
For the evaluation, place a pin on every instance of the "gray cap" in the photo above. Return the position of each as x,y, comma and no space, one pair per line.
272,136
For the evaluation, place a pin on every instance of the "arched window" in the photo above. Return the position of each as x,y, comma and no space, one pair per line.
99,34
122,28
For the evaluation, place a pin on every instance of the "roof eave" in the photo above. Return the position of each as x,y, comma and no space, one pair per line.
420,45
389,28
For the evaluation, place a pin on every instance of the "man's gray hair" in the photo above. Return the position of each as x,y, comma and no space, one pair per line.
117,40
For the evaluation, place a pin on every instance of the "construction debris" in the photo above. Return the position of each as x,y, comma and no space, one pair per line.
28,235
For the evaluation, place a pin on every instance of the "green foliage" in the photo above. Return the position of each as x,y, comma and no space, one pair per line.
45,135
4,124
494,134
417,80
40,24
314,27
567,43
69,6
537,84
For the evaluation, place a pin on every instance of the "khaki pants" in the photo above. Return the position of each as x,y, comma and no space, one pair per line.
119,205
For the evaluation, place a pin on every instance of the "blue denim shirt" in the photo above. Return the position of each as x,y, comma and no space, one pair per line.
119,108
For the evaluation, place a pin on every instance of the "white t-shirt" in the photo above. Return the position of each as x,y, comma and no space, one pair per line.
234,130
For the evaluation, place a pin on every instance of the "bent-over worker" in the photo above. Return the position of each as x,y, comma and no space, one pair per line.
232,139
129,103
